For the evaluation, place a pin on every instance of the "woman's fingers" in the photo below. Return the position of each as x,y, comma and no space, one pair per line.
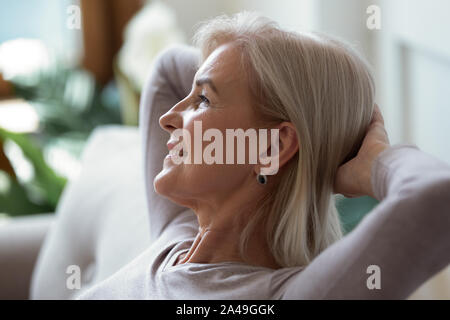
377,116
354,177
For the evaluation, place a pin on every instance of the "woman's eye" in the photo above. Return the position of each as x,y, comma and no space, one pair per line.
203,99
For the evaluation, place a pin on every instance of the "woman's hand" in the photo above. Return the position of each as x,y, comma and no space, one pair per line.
353,178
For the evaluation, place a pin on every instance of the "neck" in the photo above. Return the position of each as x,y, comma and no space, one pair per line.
219,241
222,221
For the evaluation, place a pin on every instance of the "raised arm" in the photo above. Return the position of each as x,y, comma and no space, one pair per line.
169,82
407,236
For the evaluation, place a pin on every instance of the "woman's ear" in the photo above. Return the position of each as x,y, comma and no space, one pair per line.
288,142
283,137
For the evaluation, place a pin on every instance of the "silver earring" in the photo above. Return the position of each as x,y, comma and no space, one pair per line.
261,178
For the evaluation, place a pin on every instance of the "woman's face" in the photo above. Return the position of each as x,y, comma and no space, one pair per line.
220,98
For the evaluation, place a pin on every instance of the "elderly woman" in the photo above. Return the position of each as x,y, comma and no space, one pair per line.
236,231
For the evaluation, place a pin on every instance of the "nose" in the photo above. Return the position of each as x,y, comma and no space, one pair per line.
172,119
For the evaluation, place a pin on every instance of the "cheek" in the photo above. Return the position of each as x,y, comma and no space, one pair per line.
194,181
181,182
204,179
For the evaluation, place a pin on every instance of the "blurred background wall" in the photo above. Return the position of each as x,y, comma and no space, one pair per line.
44,20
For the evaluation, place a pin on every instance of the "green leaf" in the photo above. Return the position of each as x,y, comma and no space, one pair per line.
15,200
353,210
45,178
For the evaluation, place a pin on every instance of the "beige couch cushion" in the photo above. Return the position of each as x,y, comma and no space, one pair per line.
101,220
20,242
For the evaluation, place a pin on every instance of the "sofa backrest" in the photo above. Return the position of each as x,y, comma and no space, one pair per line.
101,219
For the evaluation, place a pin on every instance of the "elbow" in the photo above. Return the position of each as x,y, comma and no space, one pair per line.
428,188
431,201
437,191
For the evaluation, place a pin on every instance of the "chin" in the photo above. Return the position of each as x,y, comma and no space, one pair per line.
164,186
161,185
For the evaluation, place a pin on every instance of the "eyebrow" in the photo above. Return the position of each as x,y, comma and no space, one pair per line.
206,80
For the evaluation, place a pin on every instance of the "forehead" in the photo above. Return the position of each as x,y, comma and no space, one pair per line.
223,66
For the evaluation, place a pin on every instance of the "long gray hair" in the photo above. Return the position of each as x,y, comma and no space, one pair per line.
326,90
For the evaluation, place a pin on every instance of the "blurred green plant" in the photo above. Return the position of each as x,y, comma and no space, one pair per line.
353,210
44,177
70,104
41,194
69,100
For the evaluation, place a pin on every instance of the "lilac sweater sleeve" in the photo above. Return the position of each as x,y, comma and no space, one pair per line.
406,237
169,82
